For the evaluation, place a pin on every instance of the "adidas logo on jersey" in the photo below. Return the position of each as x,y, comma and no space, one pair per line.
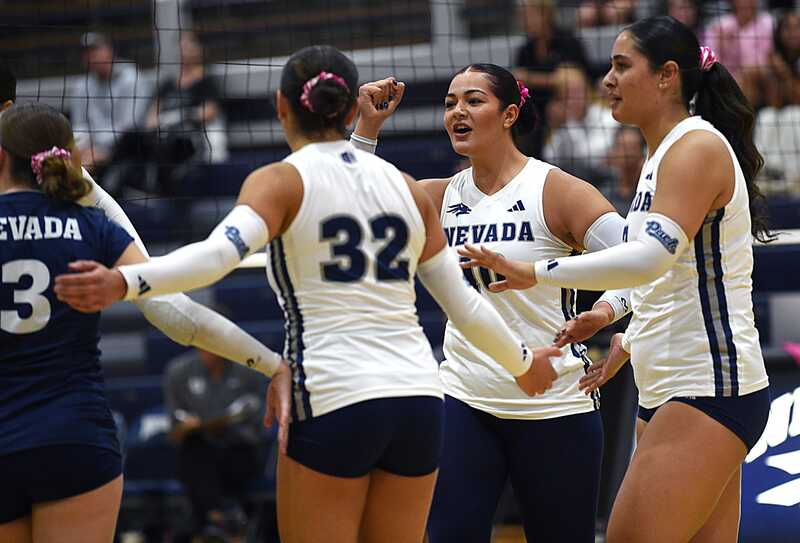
459,209
517,207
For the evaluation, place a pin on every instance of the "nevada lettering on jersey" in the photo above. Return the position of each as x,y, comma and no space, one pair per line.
485,233
642,201
25,227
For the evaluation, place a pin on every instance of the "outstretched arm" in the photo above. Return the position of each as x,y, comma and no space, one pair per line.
695,177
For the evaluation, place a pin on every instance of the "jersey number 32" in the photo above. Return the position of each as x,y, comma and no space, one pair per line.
347,236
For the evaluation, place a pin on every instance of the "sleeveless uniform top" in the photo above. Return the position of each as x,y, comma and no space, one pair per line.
511,222
692,333
344,275
51,384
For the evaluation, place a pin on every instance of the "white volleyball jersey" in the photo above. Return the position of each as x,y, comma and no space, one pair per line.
511,222
693,333
344,274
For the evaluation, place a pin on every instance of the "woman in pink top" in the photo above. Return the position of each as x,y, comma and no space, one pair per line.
743,42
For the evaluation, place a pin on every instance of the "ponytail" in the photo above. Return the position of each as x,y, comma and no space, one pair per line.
721,102
61,180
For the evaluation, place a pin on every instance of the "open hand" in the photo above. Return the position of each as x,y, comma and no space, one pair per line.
601,372
517,274
279,404
540,375
93,287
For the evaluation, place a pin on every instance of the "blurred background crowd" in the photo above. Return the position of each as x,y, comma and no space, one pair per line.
171,102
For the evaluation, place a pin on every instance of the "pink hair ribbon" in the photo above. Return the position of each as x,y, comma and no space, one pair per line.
38,159
311,83
707,58
524,93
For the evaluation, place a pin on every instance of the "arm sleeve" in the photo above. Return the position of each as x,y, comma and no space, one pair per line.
619,300
607,231
604,232
188,323
179,317
479,321
659,244
200,264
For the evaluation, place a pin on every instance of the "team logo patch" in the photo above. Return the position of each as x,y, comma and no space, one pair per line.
654,229
459,209
348,157
235,237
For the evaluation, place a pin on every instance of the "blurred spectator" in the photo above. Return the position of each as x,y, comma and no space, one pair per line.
581,131
109,100
547,46
784,60
625,160
593,13
743,41
777,132
184,127
687,12
189,107
216,408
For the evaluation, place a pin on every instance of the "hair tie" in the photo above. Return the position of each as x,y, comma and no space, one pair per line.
39,158
524,93
311,83
707,58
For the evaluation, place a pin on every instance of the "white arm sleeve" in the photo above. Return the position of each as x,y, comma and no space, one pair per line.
239,234
182,319
188,323
604,232
479,321
659,244
100,199
607,231
619,300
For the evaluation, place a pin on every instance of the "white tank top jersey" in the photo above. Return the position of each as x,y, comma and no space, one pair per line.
511,222
693,333
343,272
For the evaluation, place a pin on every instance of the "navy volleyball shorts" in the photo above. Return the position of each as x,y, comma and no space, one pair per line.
746,416
52,473
402,436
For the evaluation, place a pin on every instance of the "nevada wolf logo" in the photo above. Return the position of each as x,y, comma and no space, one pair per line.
459,209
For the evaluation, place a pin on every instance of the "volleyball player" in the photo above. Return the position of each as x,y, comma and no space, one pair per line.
702,384
60,461
179,317
347,234
549,446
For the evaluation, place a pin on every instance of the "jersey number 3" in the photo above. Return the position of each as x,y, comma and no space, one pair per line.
347,235
12,272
